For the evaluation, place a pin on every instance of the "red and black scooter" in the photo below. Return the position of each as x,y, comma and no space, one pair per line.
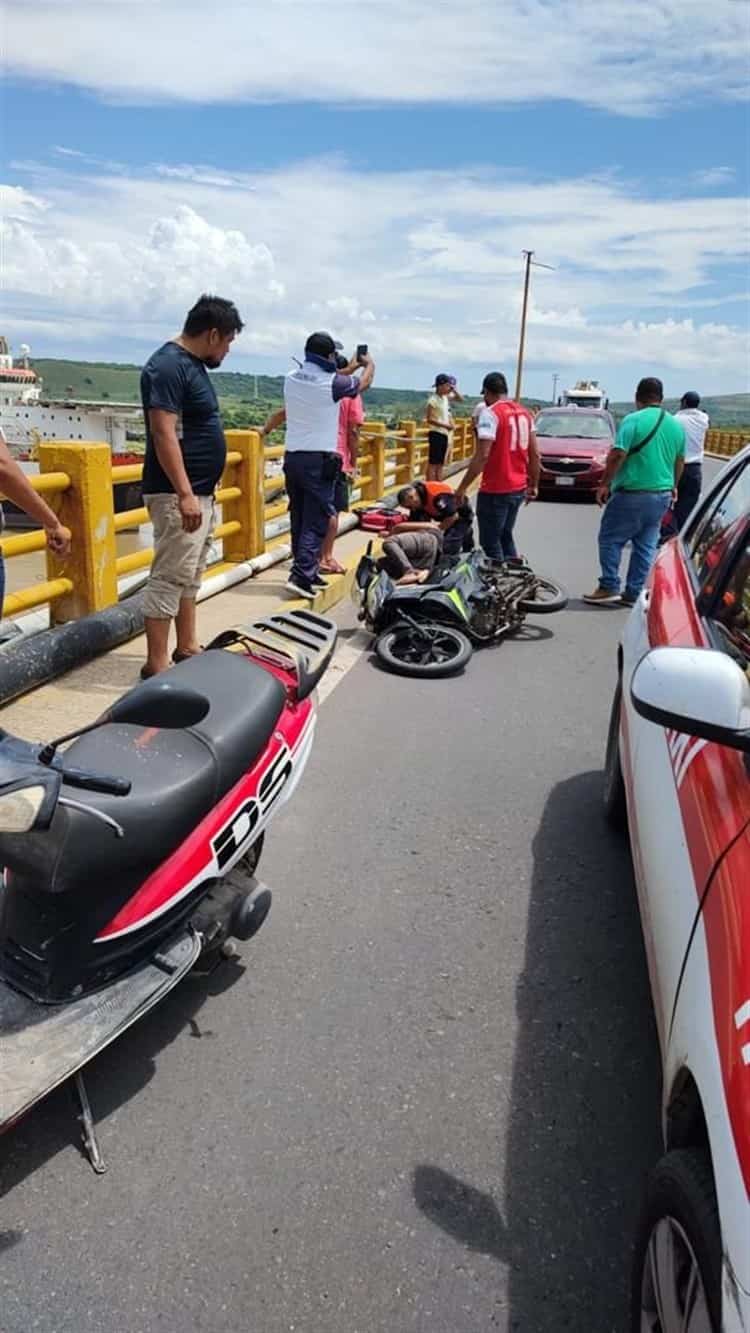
107,901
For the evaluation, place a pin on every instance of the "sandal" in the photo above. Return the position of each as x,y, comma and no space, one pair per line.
332,568
183,657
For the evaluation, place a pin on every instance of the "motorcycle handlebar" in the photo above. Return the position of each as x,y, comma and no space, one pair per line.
101,782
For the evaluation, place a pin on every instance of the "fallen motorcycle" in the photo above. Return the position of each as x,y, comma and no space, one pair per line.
430,629
106,903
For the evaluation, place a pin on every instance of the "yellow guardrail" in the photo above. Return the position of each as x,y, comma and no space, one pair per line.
726,443
79,481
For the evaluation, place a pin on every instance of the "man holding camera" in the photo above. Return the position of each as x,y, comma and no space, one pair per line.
312,462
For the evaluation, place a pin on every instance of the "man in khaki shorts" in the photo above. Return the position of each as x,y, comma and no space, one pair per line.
185,457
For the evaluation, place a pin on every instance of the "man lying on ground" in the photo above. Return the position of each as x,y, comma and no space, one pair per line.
410,557
432,505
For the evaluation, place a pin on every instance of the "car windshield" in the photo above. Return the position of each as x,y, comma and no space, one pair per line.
572,426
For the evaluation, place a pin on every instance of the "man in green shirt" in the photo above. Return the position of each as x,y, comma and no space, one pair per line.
641,476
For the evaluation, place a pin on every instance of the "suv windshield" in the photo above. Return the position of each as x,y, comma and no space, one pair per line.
572,426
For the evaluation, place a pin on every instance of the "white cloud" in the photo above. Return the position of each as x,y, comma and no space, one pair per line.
199,175
712,176
424,266
628,56
15,202
129,277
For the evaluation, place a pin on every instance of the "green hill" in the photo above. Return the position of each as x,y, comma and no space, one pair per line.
89,379
101,379
724,410
241,407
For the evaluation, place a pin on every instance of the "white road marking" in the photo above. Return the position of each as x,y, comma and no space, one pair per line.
740,1019
348,653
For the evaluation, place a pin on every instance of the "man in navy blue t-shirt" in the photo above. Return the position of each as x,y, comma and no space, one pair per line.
185,455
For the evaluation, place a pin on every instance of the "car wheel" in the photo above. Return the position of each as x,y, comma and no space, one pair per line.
677,1261
615,805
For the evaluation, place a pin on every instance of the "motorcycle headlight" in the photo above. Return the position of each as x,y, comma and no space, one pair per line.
30,801
19,809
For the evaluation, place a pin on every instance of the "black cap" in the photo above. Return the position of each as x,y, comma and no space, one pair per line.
321,344
691,398
444,379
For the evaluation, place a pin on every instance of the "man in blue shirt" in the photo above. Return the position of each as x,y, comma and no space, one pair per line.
185,456
312,463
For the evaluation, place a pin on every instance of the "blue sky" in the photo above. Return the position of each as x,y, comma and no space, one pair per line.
384,186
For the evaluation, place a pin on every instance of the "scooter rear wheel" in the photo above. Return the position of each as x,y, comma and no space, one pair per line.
430,652
215,911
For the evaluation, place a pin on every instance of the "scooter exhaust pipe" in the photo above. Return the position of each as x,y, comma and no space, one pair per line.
249,913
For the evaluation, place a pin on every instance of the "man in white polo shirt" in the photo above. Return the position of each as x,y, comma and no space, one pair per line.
312,394
694,422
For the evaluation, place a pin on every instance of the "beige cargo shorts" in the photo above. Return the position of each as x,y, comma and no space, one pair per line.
179,557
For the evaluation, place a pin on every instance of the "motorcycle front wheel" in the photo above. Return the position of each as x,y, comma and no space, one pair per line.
547,597
436,650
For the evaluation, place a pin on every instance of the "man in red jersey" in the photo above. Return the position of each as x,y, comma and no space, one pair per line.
507,459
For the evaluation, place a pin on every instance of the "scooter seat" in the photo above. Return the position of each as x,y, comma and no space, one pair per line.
246,703
176,778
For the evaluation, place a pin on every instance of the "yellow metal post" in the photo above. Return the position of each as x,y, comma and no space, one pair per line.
374,444
409,429
246,509
87,508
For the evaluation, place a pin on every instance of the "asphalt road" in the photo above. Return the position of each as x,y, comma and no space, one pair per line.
427,1098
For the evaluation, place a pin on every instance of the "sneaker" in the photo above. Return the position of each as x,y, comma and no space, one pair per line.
301,588
602,597
629,598
319,582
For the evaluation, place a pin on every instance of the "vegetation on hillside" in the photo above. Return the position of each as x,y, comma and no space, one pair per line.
246,400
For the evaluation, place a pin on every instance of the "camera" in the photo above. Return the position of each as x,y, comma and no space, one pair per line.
361,351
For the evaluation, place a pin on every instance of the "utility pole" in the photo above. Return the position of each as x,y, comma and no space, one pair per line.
529,254
555,378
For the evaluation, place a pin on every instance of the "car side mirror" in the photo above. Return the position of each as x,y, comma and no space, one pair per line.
697,691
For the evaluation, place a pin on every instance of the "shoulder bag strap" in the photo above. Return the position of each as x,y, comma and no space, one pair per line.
649,437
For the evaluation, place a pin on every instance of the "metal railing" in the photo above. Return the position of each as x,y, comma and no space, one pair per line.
727,443
79,480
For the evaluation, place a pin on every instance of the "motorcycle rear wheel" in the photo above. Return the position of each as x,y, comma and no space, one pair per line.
548,597
440,651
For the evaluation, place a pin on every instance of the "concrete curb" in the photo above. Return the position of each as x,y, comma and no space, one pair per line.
339,586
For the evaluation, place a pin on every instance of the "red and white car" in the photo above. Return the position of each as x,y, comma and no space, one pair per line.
678,769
